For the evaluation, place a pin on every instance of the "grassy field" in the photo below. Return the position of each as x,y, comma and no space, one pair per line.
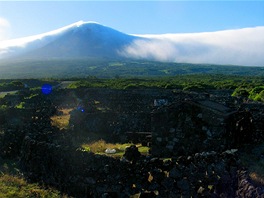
13,185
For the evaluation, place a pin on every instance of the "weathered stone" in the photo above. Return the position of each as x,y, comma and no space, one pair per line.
201,190
200,115
168,183
183,185
132,153
175,173
172,130
89,180
170,147
49,155
147,195
159,139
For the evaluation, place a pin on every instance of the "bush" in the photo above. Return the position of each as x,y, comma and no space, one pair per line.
255,92
260,96
240,92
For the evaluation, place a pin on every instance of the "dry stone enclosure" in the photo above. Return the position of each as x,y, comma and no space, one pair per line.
200,134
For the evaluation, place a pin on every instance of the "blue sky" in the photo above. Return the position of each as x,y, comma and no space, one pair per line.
25,18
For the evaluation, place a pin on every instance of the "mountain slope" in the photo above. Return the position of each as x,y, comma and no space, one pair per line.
81,39
89,39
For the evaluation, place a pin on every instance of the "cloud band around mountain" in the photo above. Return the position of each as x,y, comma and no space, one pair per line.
84,39
236,47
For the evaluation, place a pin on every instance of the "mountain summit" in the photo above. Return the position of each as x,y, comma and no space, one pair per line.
90,39
78,40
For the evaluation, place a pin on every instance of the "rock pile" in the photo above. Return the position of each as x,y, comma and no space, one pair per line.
247,188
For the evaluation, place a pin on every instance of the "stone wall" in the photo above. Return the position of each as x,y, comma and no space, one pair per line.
115,112
197,126
83,174
48,155
106,123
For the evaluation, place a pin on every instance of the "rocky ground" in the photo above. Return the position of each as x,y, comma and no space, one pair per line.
50,156
83,174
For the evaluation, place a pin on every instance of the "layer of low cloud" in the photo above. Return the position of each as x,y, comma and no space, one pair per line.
236,47
4,29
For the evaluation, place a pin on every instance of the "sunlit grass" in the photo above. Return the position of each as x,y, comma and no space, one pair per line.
62,121
4,93
13,185
100,146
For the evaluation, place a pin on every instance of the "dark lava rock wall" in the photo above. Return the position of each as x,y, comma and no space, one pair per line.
197,126
83,174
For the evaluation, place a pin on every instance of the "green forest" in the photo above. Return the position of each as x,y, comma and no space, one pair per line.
251,87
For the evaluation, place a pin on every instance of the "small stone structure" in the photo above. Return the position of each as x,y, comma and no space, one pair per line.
106,111
194,126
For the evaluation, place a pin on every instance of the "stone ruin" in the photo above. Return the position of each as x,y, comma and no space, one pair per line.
194,126
83,174
115,112
197,133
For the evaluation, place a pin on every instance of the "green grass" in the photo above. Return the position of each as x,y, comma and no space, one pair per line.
13,185
4,93
100,146
62,121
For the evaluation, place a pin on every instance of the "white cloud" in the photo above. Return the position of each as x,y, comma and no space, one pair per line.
4,29
31,42
237,47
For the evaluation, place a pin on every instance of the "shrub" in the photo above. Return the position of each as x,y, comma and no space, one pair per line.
241,92
255,91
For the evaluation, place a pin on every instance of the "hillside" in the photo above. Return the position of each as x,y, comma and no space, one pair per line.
104,68
84,40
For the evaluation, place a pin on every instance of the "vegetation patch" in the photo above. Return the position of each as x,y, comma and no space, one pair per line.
105,68
92,67
116,64
62,121
252,158
4,93
12,184
242,86
252,92
100,146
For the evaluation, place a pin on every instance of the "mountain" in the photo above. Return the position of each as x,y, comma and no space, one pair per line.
89,39
81,39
